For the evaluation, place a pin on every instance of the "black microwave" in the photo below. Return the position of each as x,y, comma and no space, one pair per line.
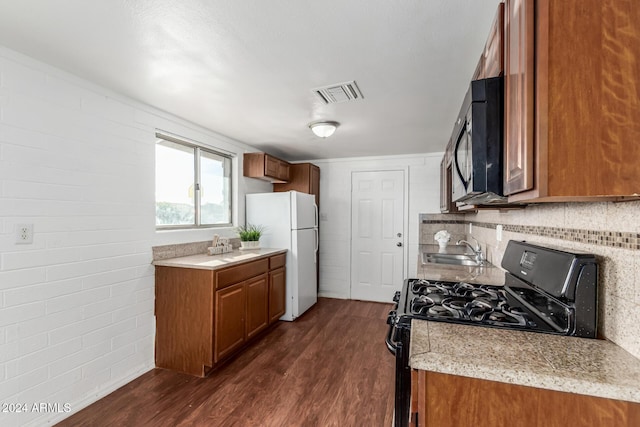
478,149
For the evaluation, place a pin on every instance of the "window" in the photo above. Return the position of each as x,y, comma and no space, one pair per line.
193,185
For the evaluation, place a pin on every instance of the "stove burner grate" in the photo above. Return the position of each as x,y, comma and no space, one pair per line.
466,302
425,287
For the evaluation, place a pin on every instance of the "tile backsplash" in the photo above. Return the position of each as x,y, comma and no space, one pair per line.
611,231
186,249
430,224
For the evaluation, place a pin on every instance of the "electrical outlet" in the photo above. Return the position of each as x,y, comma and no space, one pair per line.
24,233
499,233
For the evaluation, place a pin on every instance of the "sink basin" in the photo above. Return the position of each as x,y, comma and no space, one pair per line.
451,259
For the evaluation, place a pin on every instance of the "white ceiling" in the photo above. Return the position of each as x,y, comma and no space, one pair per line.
246,68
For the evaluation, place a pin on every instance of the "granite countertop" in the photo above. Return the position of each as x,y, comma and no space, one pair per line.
575,365
214,262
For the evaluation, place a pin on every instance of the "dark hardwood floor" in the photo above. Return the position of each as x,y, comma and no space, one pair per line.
328,368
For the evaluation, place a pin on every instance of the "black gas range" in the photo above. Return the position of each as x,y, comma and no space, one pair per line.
546,290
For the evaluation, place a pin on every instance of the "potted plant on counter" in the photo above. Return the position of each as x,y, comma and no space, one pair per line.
250,236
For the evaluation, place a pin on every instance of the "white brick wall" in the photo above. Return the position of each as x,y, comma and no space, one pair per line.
423,190
76,306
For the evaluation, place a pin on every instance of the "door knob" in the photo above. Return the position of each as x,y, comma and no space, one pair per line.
399,244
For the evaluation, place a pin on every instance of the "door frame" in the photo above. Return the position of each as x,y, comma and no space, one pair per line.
405,207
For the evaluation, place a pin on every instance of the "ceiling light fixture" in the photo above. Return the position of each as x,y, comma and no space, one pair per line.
323,129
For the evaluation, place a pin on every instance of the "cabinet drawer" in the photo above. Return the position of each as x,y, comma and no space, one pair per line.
277,261
241,272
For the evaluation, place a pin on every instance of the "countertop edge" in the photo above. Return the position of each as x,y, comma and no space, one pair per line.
423,356
546,381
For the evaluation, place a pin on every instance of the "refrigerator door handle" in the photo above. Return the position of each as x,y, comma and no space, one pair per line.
317,219
317,239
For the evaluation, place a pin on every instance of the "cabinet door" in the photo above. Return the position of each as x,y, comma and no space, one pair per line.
519,96
450,400
257,305
276,168
494,49
444,197
266,167
277,292
271,166
229,320
283,170
446,205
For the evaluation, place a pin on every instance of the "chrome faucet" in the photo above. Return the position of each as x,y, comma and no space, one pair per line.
477,251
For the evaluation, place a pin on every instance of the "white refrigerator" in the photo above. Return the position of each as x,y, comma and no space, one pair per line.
291,222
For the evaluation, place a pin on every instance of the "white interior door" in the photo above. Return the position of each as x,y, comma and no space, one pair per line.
377,234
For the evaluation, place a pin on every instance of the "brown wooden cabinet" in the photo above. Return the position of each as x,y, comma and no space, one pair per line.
519,96
450,401
493,54
491,62
445,182
571,123
184,310
446,204
257,305
205,316
277,290
241,313
266,167
303,177
229,320
277,287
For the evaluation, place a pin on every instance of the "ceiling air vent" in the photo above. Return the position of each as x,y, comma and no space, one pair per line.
340,92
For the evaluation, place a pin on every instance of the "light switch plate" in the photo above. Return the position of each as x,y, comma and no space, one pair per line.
499,233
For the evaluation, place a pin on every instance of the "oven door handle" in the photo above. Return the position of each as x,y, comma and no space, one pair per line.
462,178
393,348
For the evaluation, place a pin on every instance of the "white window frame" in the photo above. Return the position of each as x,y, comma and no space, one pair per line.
198,149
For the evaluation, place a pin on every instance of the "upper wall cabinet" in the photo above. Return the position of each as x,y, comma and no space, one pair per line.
572,100
494,48
266,167
491,63
519,96
303,177
446,204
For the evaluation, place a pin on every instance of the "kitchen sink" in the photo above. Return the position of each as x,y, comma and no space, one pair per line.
451,259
